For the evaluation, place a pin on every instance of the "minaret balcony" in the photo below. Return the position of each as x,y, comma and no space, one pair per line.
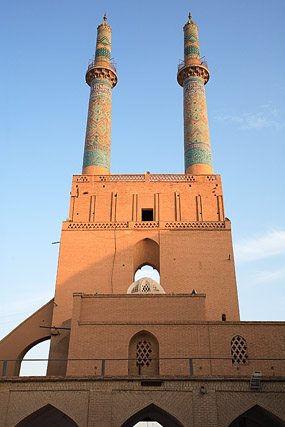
203,62
92,64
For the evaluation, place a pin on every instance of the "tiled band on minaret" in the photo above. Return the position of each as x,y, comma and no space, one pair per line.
192,76
101,76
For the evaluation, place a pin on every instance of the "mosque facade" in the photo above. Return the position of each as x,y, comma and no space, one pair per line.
124,350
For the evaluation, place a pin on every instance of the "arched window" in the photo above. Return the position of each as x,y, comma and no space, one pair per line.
146,252
147,271
239,350
143,354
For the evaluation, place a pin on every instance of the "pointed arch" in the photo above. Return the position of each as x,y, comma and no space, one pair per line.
47,416
35,368
15,345
146,252
143,354
22,354
257,416
153,413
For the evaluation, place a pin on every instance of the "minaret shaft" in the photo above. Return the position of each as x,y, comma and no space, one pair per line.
197,149
97,150
193,75
101,77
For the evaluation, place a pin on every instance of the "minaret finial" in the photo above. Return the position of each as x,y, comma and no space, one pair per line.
105,17
190,17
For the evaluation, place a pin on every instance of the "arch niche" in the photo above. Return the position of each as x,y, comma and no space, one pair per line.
146,252
257,417
143,354
153,413
47,416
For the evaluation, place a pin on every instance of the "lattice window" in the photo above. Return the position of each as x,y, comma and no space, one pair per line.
239,350
135,289
143,355
146,288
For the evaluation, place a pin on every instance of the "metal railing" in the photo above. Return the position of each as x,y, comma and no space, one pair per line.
203,62
92,64
190,371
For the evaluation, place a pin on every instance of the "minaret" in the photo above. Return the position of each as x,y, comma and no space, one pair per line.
101,76
193,74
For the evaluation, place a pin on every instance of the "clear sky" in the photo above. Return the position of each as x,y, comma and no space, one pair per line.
45,47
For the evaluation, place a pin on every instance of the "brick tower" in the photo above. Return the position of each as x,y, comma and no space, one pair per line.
125,350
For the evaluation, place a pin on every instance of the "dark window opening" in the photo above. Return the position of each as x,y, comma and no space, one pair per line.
147,214
224,317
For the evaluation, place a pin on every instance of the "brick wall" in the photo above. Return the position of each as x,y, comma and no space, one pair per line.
108,402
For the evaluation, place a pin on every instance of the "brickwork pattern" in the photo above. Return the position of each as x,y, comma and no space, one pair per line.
110,403
104,326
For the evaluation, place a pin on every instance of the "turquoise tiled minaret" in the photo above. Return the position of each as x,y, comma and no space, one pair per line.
101,76
192,75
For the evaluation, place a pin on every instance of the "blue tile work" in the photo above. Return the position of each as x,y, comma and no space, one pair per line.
191,42
98,132
104,40
96,158
102,52
197,149
191,49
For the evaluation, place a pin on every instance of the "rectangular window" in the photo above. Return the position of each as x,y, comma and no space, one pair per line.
147,214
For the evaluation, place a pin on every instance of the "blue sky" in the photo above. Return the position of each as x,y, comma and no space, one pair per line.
44,100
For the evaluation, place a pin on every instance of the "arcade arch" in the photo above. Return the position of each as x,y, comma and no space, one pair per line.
152,413
48,415
257,417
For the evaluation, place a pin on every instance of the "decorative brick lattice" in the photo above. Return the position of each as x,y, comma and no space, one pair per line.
146,288
239,350
197,224
152,178
82,179
172,178
143,355
119,178
146,224
94,226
